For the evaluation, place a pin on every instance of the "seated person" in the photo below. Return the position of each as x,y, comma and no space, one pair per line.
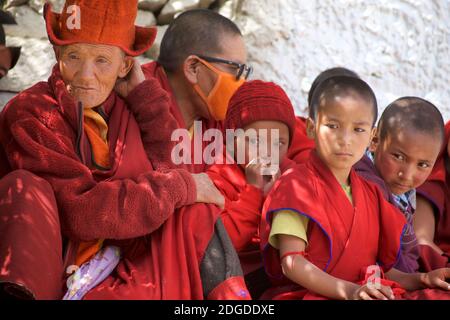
335,236
401,157
265,113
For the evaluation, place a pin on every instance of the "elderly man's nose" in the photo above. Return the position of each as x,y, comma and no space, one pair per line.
86,70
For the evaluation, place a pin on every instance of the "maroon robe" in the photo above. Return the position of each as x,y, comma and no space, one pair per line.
343,239
301,145
437,191
155,70
41,130
31,244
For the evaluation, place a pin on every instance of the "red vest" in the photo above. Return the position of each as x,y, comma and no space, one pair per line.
437,190
343,239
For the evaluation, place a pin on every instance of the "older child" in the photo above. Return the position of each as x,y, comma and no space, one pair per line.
325,238
401,158
431,221
302,145
264,108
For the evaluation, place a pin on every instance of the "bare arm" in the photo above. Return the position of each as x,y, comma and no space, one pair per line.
415,281
424,223
301,271
408,281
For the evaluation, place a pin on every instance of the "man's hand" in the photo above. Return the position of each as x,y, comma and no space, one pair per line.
437,279
207,191
134,78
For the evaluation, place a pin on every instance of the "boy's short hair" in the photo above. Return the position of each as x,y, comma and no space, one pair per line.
328,73
197,31
342,85
412,113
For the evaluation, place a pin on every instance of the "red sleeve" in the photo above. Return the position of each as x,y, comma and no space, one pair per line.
243,203
89,209
301,145
149,103
392,226
434,192
241,217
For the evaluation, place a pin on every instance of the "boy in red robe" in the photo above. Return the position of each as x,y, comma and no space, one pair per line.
265,108
432,218
325,239
401,158
302,145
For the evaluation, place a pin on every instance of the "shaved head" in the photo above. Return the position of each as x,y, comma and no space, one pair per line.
198,31
324,75
413,113
341,86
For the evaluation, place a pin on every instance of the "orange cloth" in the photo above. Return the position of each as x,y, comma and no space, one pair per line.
99,22
96,130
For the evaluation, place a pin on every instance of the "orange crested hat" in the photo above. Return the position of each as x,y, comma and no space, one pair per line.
108,22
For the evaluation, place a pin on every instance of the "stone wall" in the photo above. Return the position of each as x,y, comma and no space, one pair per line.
401,47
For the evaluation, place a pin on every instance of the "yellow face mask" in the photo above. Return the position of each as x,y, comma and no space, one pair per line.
220,95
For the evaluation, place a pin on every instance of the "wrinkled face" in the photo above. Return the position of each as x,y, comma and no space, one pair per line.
270,137
90,71
5,60
342,132
405,159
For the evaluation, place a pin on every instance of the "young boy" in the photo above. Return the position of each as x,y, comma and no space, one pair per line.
431,221
401,158
264,108
301,145
324,239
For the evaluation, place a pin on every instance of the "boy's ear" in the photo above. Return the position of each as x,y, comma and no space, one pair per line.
191,69
375,140
310,128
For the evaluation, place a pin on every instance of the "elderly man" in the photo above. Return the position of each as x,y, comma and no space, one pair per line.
99,133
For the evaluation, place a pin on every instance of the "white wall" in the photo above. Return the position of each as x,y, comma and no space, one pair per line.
400,47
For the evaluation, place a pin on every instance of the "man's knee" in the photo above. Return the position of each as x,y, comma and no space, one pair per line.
30,236
19,181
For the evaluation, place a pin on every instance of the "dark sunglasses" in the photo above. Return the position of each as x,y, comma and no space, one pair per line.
242,68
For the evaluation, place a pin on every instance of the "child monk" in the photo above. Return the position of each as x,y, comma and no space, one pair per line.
400,159
264,109
301,145
326,232
431,221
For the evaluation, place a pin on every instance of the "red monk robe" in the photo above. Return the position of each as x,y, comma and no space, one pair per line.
343,239
241,218
41,130
155,70
298,151
242,213
437,191
301,145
